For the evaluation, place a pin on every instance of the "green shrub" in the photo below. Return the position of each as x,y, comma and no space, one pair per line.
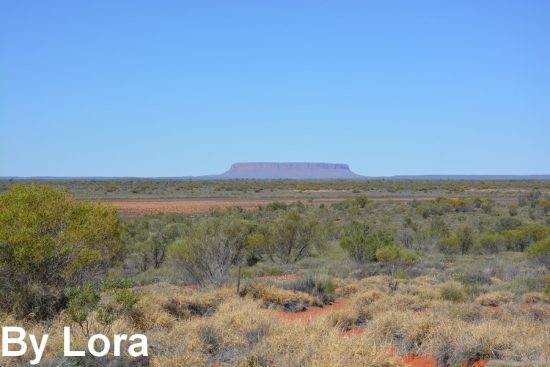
465,237
362,242
296,235
395,255
491,243
452,292
508,223
82,301
449,246
540,251
438,227
50,241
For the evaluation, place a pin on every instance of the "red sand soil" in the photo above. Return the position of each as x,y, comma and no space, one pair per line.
182,206
137,207
418,361
313,312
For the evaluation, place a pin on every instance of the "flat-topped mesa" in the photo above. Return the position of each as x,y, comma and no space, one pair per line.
299,170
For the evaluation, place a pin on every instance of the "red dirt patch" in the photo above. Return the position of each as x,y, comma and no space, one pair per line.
418,361
137,207
313,312
413,360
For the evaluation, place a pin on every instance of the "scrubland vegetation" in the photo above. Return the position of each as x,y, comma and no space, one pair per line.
452,280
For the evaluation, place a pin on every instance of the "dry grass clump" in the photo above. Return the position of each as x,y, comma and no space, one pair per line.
533,297
318,345
367,298
466,312
407,330
382,283
240,333
321,287
224,339
424,287
494,299
53,354
359,312
273,297
193,304
347,290
455,341
536,312
346,319
404,302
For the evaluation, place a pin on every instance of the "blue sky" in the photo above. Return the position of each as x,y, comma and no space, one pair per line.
173,88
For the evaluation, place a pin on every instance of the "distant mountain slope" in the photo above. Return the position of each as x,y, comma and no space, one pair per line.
301,170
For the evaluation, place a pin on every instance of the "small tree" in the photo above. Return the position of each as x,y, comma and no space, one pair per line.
449,246
82,301
295,235
48,242
159,239
210,248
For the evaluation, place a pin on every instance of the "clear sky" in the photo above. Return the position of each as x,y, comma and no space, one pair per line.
174,88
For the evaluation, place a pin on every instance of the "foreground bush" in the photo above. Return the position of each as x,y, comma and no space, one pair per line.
48,242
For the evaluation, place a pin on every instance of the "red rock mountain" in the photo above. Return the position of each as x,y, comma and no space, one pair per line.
270,170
